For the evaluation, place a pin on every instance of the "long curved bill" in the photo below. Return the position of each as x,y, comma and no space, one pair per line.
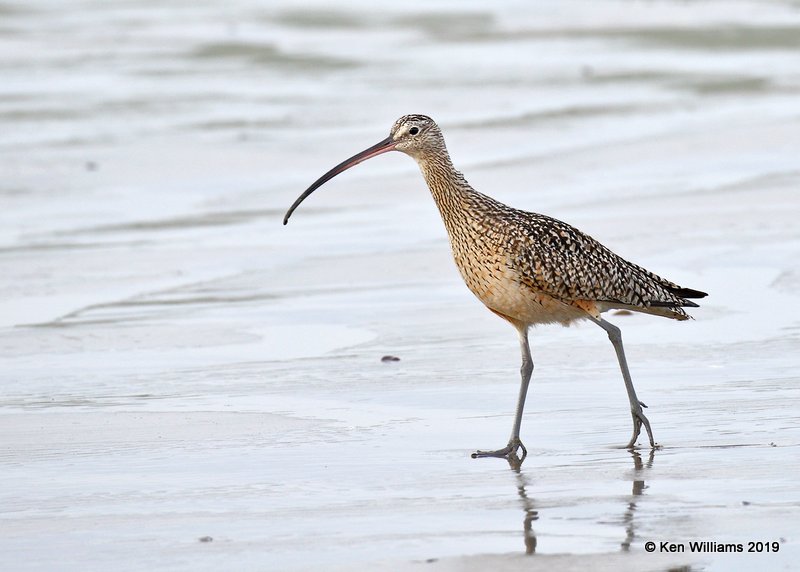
387,144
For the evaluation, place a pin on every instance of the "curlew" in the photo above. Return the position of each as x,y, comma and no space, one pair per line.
525,267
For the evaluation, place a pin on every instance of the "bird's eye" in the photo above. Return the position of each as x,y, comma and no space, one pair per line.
413,131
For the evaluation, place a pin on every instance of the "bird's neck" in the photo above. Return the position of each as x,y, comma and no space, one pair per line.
450,190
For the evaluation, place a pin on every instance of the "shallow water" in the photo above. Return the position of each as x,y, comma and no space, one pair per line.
178,365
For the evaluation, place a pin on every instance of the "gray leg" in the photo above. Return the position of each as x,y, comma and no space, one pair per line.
525,371
637,412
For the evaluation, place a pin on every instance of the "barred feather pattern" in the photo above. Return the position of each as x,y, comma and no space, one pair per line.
531,268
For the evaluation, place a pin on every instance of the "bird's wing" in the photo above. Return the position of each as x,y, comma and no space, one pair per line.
568,265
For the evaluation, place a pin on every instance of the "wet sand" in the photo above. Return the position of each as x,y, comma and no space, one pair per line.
187,384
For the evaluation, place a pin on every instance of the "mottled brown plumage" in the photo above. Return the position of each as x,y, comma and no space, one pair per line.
526,267
514,260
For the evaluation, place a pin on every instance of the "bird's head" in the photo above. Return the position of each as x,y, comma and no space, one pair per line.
415,135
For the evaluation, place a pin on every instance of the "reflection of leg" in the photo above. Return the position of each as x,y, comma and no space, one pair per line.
530,535
526,371
531,514
638,490
638,466
637,412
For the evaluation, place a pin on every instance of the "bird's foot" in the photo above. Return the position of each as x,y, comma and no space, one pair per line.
506,452
640,419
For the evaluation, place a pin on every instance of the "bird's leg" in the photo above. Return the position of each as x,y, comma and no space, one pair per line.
526,370
637,412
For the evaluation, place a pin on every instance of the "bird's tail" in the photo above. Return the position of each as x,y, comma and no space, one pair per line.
687,293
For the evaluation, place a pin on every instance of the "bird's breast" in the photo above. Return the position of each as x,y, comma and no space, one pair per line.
490,272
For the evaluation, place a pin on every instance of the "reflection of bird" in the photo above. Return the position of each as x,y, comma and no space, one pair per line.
528,505
527,268
638,490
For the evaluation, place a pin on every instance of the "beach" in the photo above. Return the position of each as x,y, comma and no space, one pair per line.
187,384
